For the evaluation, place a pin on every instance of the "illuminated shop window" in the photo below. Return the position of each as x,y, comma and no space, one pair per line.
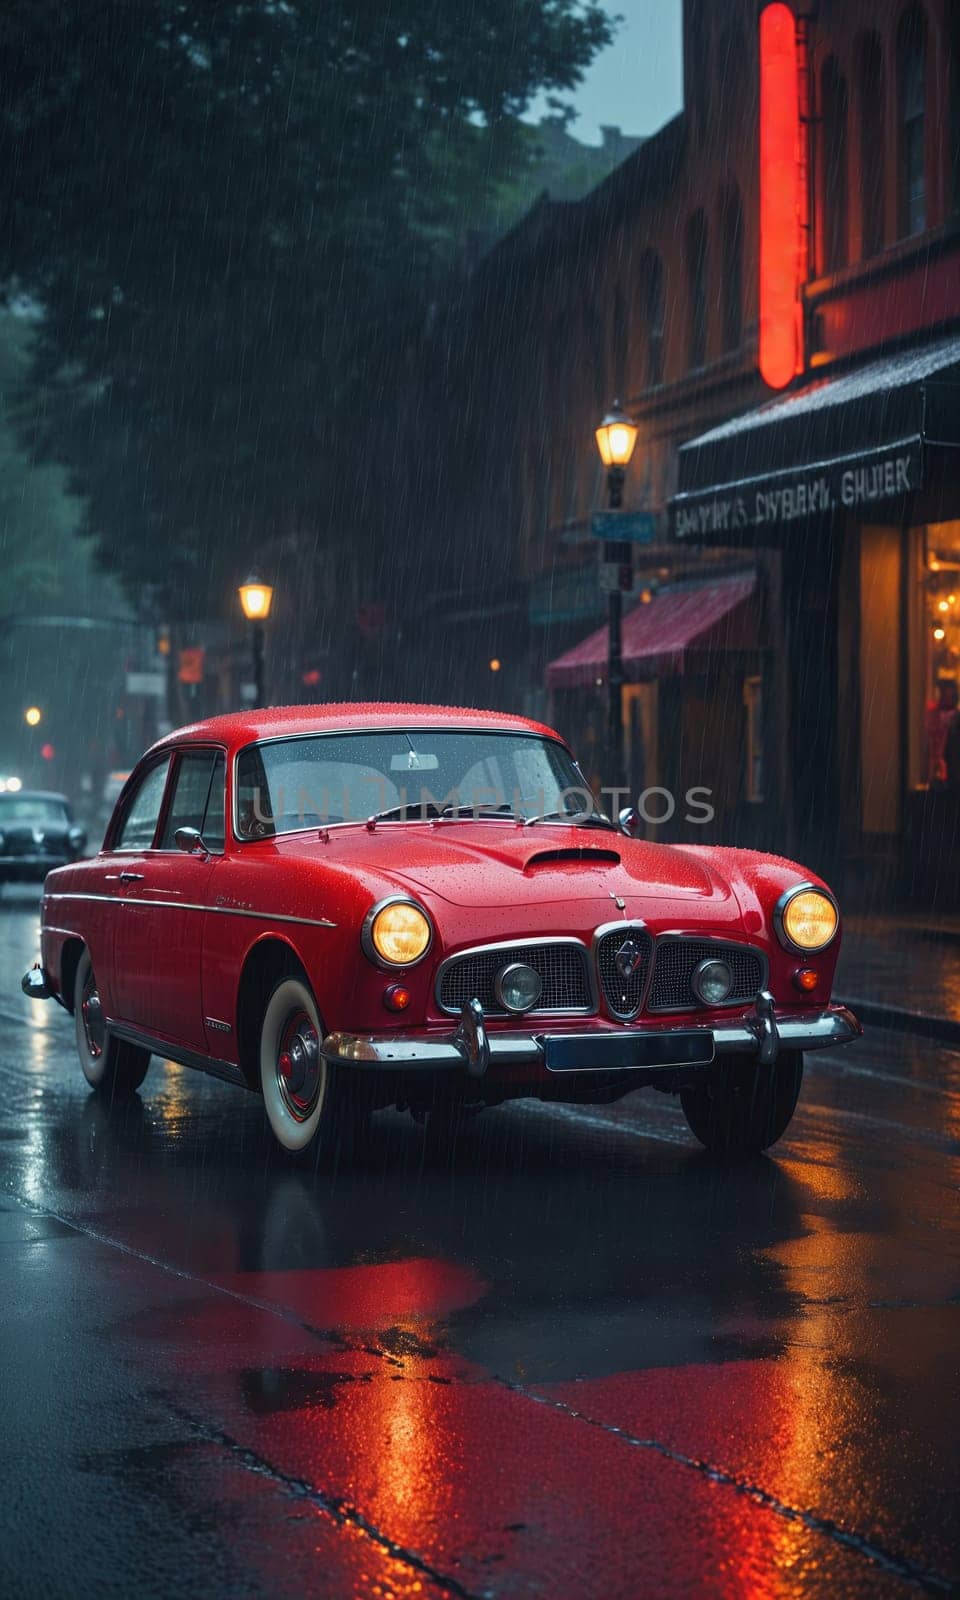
940,653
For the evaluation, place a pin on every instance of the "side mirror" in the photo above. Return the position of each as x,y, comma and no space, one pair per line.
630,822
190,841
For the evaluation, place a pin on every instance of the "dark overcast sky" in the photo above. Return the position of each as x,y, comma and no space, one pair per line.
636,84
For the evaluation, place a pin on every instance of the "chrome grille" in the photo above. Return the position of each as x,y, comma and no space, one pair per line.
674,964
623,995
563,969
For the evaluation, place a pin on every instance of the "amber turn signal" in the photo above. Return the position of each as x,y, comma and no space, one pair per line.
396,997
806,978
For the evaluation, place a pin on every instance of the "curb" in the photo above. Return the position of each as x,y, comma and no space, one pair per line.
944,1029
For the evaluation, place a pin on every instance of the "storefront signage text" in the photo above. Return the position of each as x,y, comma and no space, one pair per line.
814,494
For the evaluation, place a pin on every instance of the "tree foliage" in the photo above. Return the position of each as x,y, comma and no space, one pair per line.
218,204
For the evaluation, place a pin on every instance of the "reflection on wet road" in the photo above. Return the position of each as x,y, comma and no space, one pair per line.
586,1362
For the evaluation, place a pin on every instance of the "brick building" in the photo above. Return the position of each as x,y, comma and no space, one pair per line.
796,626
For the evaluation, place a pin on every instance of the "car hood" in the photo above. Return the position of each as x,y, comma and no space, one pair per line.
493,864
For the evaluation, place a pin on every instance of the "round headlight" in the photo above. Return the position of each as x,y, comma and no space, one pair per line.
807,919
712,982
397,933
517,987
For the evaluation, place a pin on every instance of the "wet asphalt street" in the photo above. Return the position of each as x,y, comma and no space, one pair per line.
587,1362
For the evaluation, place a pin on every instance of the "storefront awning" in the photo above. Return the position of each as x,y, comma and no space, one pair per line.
720,615
841,444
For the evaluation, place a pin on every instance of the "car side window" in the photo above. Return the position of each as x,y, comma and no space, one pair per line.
198,799
143,810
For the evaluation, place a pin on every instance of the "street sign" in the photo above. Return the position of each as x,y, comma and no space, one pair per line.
190,669
639,527
153,683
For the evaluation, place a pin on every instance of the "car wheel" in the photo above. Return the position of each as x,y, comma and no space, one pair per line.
304,1095
111,1066
743,1107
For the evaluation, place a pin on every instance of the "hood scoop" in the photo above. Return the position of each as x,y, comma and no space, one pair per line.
586,855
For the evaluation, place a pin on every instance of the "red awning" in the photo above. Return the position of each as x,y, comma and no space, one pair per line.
721,615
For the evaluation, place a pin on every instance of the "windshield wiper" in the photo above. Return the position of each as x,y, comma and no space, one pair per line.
418,810
575,819
486,808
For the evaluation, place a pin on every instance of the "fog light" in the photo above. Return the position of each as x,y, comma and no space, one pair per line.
806,979
517,987
712,982
396,997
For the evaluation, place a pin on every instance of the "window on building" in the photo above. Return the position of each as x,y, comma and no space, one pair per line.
870,89
696,258
833,101
731,282
911,123
653,314
953,125
698,93
620,354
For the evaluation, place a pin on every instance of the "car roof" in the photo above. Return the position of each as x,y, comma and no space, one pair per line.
244,727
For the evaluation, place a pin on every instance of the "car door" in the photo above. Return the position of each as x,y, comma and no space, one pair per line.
163,915
130,838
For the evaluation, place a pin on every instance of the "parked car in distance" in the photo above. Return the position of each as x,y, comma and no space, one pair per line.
345,907
37,833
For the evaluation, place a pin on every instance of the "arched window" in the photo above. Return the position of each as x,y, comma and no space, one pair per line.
870,91
833,100
695,253
652,313
731,277
911,123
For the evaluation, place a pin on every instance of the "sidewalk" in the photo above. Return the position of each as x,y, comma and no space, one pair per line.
903,972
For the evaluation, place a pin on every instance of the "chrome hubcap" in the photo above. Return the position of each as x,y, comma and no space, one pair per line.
92,1013
299,1065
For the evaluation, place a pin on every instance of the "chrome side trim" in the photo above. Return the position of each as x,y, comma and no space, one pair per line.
165,1051
189,905
780,908
430,1052
525,944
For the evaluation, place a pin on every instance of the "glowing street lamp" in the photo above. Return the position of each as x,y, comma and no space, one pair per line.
33,716
616,437
256,599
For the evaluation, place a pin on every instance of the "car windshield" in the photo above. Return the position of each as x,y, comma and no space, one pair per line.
31,808
286,785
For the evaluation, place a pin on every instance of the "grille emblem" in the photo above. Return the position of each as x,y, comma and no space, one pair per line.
628,958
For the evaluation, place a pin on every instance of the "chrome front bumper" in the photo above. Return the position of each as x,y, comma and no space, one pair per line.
472,1049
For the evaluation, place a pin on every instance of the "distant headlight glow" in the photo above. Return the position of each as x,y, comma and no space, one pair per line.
396,933
806,919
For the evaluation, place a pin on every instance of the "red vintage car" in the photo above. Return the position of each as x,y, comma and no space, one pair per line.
344,907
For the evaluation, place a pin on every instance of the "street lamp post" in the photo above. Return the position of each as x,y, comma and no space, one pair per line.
256,599
616,437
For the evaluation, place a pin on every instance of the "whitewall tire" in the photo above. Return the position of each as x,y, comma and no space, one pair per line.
294,1077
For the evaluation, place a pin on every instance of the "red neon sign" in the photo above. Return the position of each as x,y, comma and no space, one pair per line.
779,221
